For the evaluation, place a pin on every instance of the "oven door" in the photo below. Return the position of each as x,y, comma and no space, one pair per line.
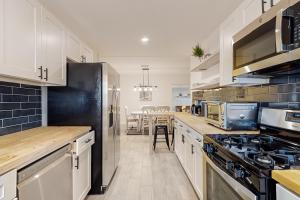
213,113
265,41
221,186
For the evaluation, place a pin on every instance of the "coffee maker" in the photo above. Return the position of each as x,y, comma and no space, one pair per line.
198,108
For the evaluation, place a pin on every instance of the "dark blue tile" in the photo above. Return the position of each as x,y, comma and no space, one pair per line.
5,90
34,98
294,78
30,105
294,97
9,84
15,121
30,86
5,114
14,98
31,125
35,118
294,105
10,106
18,113
38,92
24,91
38,111
10,129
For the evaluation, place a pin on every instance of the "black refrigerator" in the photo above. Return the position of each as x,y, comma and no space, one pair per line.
91,98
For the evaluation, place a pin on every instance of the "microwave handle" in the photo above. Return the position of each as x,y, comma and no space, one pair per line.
280,46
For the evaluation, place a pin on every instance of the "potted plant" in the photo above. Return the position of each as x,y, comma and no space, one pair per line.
198,51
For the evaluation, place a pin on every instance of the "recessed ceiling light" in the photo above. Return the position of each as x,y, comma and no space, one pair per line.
145,40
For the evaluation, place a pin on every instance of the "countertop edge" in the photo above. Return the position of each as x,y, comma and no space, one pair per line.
288,182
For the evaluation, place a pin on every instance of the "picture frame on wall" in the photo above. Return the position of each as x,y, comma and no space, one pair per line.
145,95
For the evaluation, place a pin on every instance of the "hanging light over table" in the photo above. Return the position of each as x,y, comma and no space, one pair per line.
145,86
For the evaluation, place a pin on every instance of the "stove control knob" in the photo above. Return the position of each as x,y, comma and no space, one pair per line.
229,165
239,172
209,148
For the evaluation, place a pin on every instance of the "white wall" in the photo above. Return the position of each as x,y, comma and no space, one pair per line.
162,96
165,72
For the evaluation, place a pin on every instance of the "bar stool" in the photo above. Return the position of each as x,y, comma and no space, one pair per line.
163,128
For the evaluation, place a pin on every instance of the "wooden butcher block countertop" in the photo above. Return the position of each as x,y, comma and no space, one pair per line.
288,178
22,148
201,126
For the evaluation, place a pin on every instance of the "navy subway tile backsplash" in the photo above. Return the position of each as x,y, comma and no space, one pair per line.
20,107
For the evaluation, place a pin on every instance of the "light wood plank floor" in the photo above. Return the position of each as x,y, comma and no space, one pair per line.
143,175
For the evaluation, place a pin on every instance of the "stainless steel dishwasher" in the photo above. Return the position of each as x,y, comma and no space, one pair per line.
50,178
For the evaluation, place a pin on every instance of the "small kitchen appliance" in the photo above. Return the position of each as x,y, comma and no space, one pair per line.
270,45
231,116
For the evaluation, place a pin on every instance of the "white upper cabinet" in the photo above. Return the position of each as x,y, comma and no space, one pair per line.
77,50
253,9
73,47
20,38
54,59
228,28
33,44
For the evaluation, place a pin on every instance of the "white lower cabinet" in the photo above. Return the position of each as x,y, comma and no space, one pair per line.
188,148
284,194
8,186
82,166
189,156
198,176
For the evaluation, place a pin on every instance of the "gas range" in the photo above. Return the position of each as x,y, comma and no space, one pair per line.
250,159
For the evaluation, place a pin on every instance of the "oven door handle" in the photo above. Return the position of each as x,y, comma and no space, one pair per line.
235,185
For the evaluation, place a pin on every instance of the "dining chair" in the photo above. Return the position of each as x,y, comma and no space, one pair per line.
145,117
130,119
163,108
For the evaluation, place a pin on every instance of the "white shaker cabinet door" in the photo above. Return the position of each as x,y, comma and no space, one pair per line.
82,175
228,30
198,182
253,9
73,48
54,59
284,194
20,38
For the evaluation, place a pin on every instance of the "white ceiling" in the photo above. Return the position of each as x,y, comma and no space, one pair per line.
115,27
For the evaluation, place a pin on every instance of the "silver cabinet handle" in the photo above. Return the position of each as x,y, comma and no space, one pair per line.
41,72
46,72
192,146
77,162
88,140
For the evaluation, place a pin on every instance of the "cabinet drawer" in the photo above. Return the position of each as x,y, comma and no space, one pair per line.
84,142
284,194
8,185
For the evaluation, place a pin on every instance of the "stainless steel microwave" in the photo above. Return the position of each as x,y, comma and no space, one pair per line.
231,116
272,40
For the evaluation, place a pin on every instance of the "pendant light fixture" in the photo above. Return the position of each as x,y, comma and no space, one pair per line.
145,86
